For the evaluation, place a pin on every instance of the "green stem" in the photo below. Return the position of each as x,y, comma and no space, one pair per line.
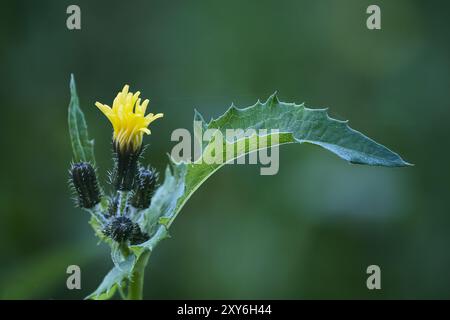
122,294
136,284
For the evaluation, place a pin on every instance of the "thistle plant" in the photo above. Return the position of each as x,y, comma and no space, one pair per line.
137,214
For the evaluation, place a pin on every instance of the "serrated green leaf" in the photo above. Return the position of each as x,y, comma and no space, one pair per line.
296,124
82,146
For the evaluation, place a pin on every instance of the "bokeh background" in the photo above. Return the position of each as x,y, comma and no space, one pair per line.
308,232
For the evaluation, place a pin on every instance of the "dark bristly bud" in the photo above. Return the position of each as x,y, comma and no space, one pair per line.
145,187
84,181
119,229
122,229
125,168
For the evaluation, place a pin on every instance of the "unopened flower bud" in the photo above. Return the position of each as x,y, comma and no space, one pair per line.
84,181
122,229
146,184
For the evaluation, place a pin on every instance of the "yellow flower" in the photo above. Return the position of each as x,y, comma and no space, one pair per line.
128,119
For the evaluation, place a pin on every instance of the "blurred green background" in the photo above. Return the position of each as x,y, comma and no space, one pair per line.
308,232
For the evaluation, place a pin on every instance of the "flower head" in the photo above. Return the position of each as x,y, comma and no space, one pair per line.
128,119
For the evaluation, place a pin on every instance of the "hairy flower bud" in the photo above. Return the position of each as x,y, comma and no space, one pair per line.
84,181
122,229
146,184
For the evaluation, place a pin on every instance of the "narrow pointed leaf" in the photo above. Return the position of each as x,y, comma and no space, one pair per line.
82,146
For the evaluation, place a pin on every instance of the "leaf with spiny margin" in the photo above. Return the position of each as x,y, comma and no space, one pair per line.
82,146
296,124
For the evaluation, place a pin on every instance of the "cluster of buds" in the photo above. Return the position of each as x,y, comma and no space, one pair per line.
133,185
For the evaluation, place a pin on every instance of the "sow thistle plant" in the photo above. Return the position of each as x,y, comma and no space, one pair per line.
138,213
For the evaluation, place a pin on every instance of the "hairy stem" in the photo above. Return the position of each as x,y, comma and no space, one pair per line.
136,285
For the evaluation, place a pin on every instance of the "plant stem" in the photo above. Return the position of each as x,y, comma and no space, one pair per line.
122,294
136,285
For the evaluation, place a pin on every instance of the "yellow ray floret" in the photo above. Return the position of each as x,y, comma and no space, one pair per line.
128,118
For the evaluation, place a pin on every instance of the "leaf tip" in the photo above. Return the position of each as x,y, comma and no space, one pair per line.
72,85
407,164
273,99
399,161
